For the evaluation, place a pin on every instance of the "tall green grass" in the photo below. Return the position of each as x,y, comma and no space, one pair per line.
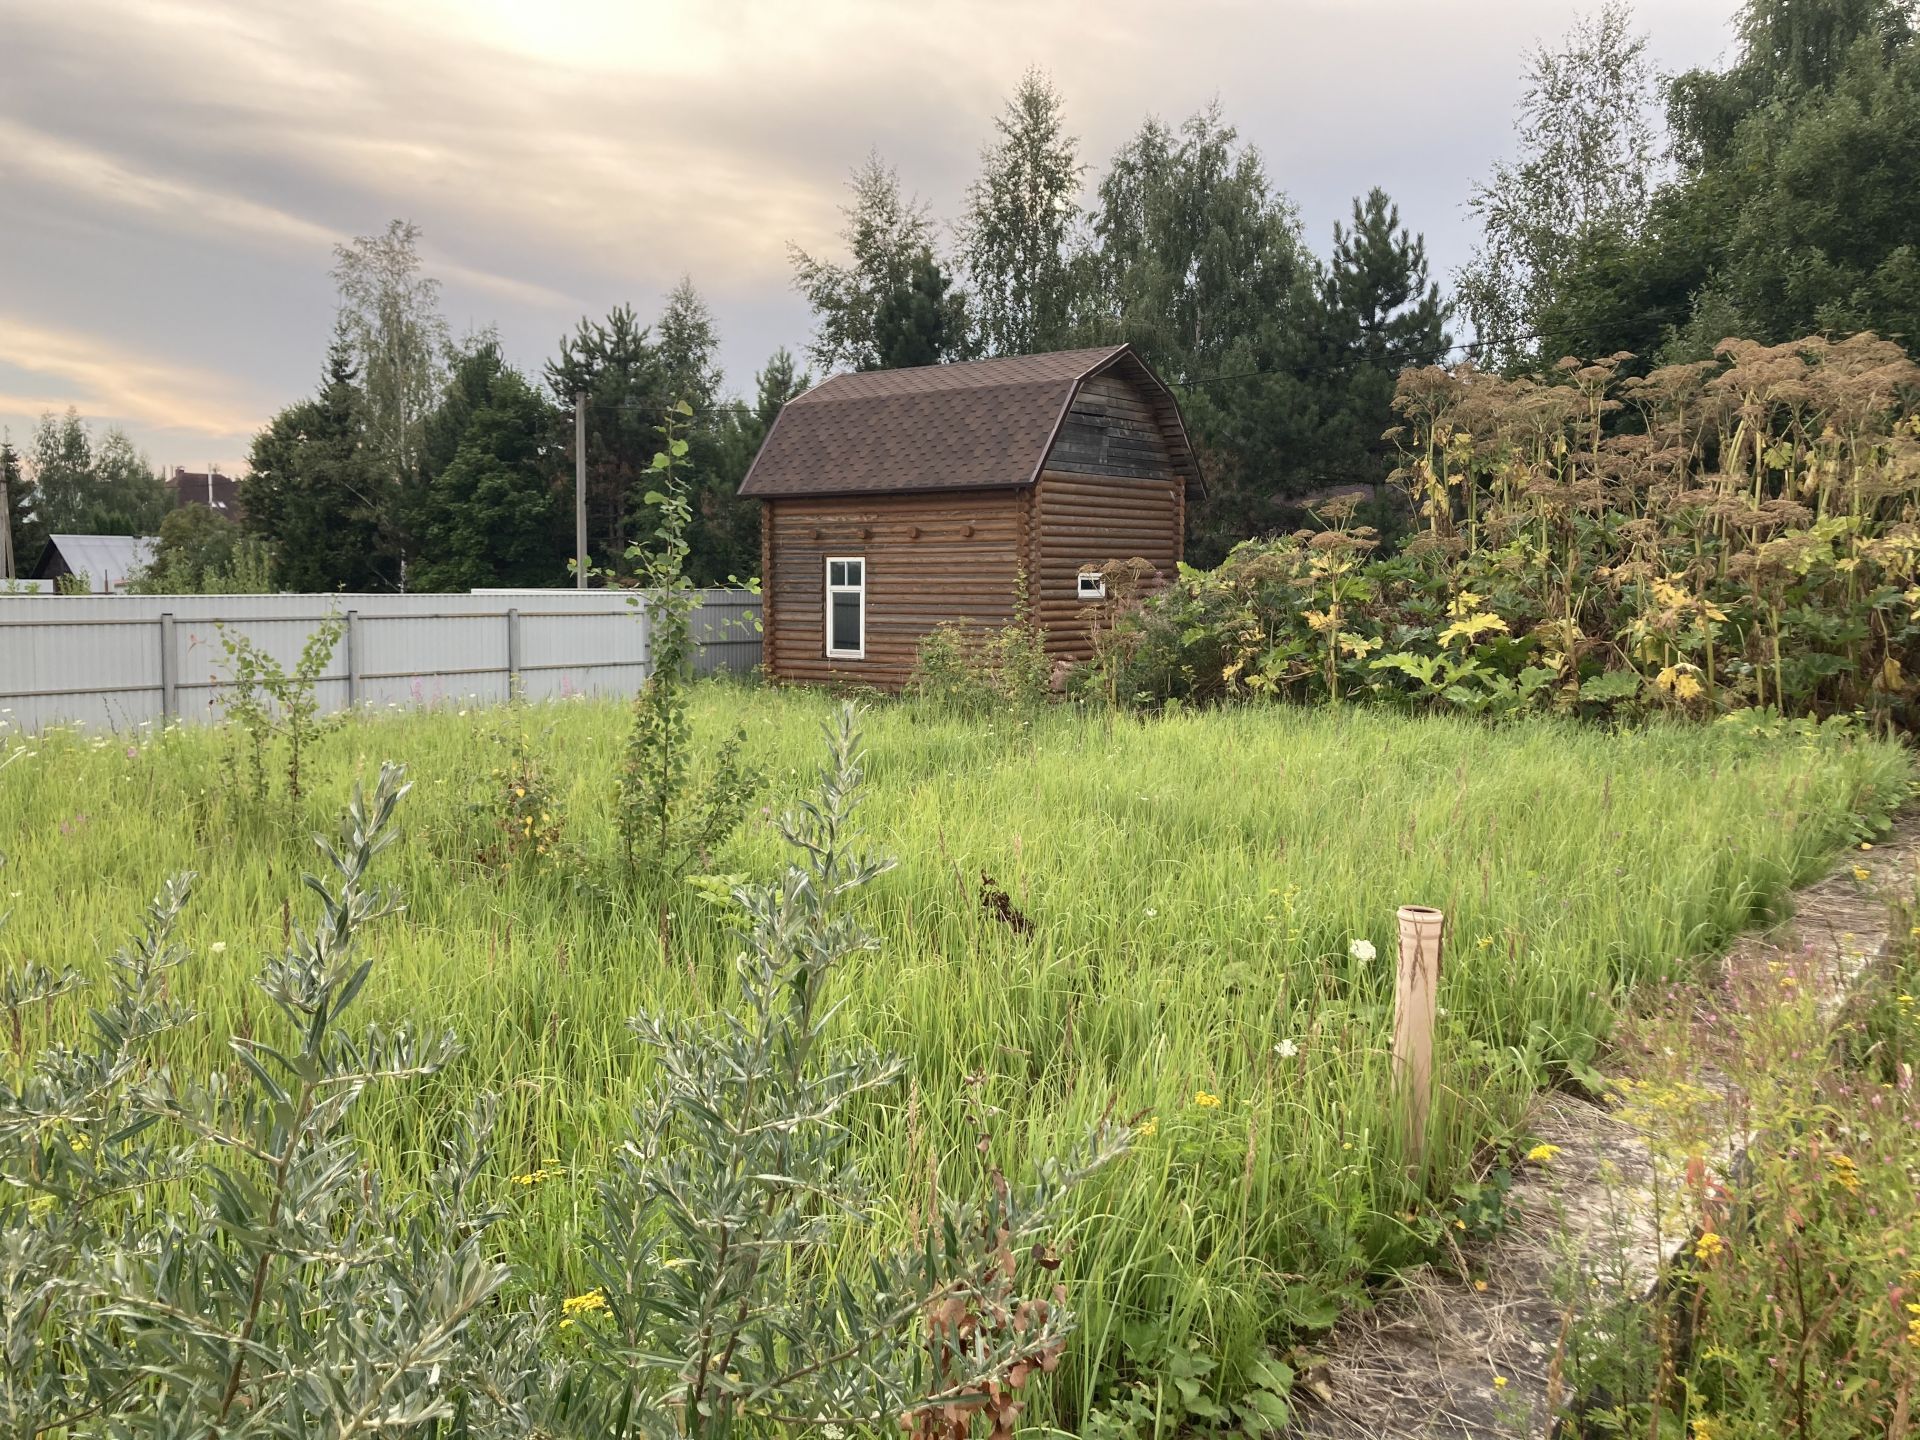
1195,884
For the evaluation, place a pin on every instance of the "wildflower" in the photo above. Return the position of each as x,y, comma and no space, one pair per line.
1866,845
1147,1128
1708,1247
1542,1154
592,1303
1913,1326
218,947
1860,872
1480,1287
1149,912
537,1176
1205,1101
1286,1049
1499,1382
1845,1173
1362,950
1705,1427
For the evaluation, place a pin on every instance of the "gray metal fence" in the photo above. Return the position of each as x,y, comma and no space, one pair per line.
117,661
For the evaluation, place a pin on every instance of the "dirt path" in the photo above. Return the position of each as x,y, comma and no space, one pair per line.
1426,1362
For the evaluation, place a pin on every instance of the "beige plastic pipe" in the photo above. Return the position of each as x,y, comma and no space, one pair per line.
1422,935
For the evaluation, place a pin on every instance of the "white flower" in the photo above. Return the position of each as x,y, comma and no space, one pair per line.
1150,912
219,947
1362,950
1286,1049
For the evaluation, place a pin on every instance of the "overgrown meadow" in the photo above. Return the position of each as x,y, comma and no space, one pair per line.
1187,918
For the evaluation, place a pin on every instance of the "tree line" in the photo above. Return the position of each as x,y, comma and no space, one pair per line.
1771,198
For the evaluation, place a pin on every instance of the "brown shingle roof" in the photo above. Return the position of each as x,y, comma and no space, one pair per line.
983,424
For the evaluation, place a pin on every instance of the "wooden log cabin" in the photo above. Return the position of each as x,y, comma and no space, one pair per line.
895,500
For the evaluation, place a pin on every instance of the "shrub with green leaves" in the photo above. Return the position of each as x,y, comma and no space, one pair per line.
217,1257
669,817
1692,541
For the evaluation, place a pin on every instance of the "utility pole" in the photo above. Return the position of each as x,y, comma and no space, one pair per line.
580,488
6,530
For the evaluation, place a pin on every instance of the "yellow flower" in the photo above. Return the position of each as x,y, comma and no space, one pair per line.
1147,1128
1845,1173
1499,1382
1705,1427
587,1304
1204,1100
538,1176
1860,872
1709,1246
1480,1286
1541,1154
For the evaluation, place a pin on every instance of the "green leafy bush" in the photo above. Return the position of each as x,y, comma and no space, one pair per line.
1697,540
976,670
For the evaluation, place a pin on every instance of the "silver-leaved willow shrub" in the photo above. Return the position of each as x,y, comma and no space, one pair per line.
217,1258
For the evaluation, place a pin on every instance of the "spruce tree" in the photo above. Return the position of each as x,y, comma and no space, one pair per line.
28,535
314,491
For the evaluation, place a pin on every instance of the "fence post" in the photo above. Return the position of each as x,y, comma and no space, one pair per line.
169,670
352,642
1422,936
513,653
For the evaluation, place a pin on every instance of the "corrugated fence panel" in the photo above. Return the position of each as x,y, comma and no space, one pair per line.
118,661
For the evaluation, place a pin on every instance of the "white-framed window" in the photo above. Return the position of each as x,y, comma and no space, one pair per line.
846,607
1093,585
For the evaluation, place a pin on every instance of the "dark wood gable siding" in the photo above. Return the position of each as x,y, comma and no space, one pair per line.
1110,430
930,558
1108,491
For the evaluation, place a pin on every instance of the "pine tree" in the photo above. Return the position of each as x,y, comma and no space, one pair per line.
1016,240
1380,314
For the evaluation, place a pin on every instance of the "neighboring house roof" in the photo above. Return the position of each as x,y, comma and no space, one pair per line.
204,487
106,560
987,423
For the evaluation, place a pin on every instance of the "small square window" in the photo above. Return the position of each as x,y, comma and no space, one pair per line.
1093,585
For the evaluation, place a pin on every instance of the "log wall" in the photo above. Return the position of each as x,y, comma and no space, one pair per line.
929,558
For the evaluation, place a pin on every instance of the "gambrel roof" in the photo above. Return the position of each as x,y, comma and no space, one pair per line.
982,424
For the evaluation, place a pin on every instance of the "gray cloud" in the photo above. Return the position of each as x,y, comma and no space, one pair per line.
175,172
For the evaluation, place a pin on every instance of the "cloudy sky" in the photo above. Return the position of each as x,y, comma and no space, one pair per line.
175,173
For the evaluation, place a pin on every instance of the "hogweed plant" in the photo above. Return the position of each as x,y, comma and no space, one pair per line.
1703,538
218,1258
